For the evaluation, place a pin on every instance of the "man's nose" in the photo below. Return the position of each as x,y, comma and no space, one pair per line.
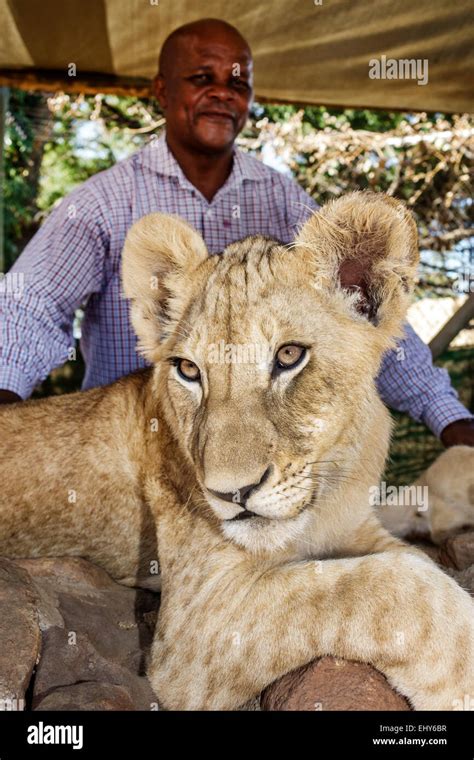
242,494
221,91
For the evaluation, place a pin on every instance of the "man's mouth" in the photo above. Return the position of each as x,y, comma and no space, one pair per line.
218,115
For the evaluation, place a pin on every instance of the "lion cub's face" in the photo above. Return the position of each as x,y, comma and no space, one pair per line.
263,378
266,368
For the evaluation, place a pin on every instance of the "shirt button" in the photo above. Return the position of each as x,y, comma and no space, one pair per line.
210,213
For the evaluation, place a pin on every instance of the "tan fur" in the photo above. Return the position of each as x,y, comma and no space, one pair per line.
315,573
449,487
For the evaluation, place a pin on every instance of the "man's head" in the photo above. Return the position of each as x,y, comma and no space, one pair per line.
204,85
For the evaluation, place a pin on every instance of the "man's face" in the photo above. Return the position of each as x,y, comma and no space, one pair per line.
206,91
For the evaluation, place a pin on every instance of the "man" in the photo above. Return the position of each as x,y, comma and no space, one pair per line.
204,86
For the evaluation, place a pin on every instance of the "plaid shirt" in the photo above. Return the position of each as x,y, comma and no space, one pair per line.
75,259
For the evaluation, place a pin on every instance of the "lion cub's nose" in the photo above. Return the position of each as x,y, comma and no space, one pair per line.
240,495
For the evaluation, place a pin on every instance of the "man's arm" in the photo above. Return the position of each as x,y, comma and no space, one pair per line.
459,433
8,397
59,268
409,382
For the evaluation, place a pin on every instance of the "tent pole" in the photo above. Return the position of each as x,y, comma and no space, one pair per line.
458,321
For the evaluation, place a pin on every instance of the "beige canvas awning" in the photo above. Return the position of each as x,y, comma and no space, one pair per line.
305,52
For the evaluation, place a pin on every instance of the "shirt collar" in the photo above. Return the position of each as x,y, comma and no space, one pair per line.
158,157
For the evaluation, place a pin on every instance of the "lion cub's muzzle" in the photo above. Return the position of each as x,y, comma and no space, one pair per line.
240,496
273,496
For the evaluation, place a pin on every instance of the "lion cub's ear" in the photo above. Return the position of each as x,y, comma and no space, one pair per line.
363,248
160,253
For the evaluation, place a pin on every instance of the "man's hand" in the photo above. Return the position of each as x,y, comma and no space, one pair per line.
8,397
459,433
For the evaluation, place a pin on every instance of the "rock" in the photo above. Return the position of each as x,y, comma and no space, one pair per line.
88,696
332,684
20,635
69,572
67,662
95,631
457,551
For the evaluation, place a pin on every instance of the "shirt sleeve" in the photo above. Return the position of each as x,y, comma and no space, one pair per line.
409,382
59,268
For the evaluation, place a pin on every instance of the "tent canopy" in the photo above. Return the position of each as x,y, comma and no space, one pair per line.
306,51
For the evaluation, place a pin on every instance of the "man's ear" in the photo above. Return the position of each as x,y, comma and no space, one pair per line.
363,249
161,252
159,90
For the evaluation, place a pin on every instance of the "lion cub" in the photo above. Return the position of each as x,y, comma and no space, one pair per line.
242,462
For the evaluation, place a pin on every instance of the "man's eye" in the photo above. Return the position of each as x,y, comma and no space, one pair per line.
289,356
241,84
200,79
187,370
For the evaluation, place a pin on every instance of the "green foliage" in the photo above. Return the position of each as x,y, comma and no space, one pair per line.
53,144
19,191
91,133
63,169
319,117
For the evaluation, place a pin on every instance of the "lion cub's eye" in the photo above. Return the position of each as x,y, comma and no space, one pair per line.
188,370
289,356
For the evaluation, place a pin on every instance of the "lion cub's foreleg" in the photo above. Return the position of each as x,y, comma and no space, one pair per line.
239,630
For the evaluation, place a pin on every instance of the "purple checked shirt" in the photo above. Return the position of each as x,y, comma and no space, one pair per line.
75,259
